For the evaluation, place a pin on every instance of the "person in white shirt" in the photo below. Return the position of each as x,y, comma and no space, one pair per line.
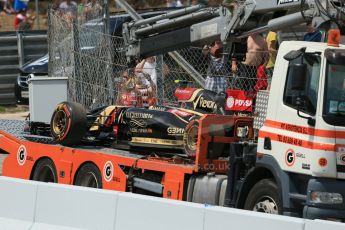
147,74
147,68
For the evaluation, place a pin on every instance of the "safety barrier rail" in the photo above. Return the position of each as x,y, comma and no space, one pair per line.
15,50
35,205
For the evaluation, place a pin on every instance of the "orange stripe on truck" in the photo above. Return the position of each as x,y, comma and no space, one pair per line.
297,142
304,129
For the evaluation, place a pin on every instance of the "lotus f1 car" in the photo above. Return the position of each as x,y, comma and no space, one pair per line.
158,127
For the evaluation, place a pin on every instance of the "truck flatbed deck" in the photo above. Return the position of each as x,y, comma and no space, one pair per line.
41,158
15,128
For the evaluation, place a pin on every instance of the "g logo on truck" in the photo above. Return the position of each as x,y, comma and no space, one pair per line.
108,171
342,159
21,155
290,157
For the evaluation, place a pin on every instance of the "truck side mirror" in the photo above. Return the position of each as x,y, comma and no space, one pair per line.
335,56
299,75
293,54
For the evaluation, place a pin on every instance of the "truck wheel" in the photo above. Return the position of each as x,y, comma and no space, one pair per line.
190,138
68,123
264,197
89,176
45,171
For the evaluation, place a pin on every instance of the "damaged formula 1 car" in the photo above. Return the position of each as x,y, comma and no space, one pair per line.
156,127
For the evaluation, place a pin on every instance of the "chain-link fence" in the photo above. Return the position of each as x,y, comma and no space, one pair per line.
80,50
95,64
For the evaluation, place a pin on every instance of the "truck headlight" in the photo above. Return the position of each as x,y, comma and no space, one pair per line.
326,198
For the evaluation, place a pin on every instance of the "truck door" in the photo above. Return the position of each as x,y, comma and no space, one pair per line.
296,143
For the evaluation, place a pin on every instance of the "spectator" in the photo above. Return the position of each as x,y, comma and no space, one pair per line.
68,6
56,4
148,66
246,70
147,70
215,80
23,21
313,34
147,77
174,3
68,11
8,7
92,9
2,6
272,42
146,81
261,83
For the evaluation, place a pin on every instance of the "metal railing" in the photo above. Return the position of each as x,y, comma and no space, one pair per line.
15,50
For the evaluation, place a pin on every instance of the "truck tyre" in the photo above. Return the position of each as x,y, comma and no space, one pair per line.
265,197
89,176
68,123
190,138
45,171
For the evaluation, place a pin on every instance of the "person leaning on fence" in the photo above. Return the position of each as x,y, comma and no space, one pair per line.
146,78
215,80
148,67
246,71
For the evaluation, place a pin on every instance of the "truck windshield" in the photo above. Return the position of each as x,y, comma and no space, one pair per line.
334,104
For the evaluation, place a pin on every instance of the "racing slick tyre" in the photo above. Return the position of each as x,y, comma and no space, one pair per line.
68,123
265,197
45,171
190,138
89,176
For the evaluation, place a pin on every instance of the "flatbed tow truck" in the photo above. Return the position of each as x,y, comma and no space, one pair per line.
42,159
293,166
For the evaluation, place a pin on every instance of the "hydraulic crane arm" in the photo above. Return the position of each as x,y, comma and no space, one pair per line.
197,25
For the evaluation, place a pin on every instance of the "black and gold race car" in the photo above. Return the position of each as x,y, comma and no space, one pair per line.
155,127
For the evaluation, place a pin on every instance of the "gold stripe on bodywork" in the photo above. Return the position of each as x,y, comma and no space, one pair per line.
156,141
183,120
191,111
194,95
102,117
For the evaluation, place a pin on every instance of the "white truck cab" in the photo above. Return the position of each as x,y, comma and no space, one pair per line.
304,129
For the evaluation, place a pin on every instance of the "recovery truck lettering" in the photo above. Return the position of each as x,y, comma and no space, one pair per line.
305,130
296,141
